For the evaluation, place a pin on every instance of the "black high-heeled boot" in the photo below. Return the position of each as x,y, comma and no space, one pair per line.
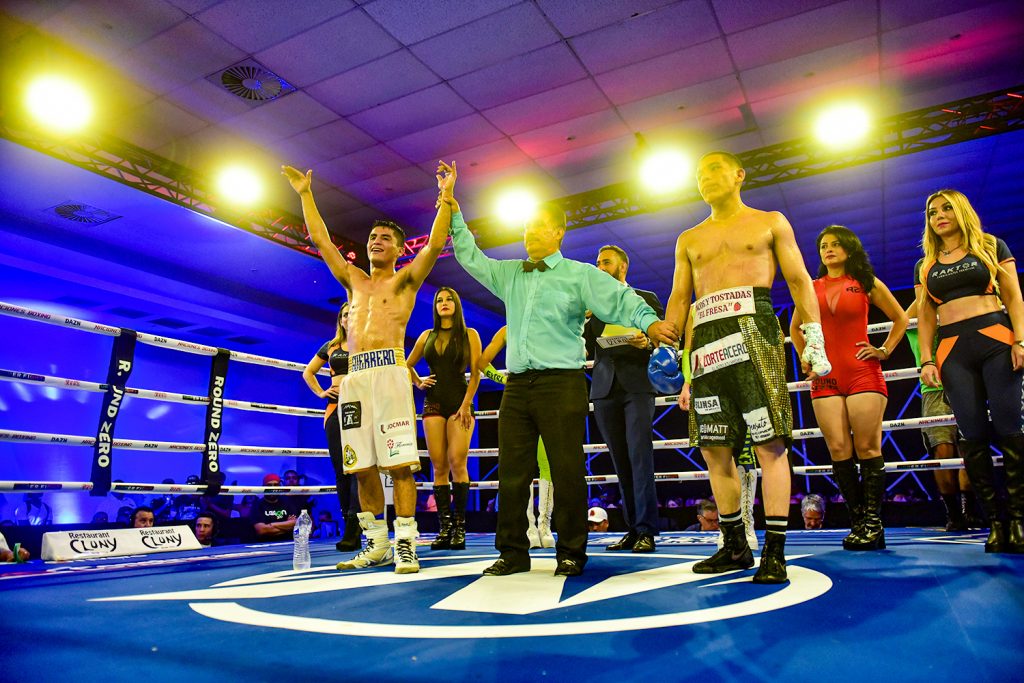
978,463
443,500
460,496
848,481
872,534
352,538
1013,465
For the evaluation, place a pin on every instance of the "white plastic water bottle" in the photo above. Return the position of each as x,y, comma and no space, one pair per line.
300,553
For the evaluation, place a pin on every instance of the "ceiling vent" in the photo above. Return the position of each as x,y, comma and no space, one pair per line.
77,212
252,82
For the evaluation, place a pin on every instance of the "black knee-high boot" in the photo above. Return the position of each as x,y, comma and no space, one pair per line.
978,463
848,480
443,499
1013,465
460,497
872,534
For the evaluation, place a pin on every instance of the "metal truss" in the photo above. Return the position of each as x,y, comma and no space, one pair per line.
145,171
971,118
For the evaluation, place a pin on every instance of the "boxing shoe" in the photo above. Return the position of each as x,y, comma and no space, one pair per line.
377,551
773,560
546,506
748,492
406,532
735,554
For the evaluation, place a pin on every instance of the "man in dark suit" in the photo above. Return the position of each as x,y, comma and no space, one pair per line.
624,407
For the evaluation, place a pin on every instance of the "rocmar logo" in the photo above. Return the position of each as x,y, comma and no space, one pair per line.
450,599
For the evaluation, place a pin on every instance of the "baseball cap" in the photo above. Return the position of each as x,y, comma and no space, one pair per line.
597,515
271,480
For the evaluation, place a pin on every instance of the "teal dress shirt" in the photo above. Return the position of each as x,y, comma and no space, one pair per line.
546,309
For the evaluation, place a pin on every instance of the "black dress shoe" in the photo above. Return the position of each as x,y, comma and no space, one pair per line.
504,568
625,543
644,544
568,568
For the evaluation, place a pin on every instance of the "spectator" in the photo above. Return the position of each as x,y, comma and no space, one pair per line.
124,515
112,503
33,511
327,527
272,517
244,508
707,517
142,518
299,503
100,518
597,520
187,506
219,506
8,555
812,509
205,527
163,506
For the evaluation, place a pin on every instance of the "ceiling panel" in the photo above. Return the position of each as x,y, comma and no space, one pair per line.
423,109
328,49
255,26
374,83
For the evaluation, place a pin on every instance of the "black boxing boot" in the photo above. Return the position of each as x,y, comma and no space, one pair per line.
848,481
1013,465
734,554
443,499
460,497
978,463
773,559
352,538
872,534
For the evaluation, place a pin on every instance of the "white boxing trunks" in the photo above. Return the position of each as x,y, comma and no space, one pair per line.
377,413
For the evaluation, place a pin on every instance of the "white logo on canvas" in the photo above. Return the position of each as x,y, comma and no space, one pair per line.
535,592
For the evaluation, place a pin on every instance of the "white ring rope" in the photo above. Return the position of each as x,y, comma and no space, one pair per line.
151,339
201,349
807,470
171,446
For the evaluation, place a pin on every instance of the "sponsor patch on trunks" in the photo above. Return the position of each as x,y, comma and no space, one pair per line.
724,304
707,405
759,425
721,353
714,429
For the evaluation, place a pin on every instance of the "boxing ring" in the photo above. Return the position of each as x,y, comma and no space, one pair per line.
240,612
668,402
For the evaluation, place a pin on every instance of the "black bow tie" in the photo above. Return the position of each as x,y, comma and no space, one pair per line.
530,266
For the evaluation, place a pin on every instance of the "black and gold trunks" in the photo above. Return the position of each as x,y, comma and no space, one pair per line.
738,367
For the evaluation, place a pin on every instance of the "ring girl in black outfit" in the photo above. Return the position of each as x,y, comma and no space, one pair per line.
449,348
334,353
964,280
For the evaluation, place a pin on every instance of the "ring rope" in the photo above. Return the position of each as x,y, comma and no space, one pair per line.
150,339
806,470
171,446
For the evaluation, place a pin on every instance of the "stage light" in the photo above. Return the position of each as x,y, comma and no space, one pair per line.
515,207
239,185
665,171
59,103
842,125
